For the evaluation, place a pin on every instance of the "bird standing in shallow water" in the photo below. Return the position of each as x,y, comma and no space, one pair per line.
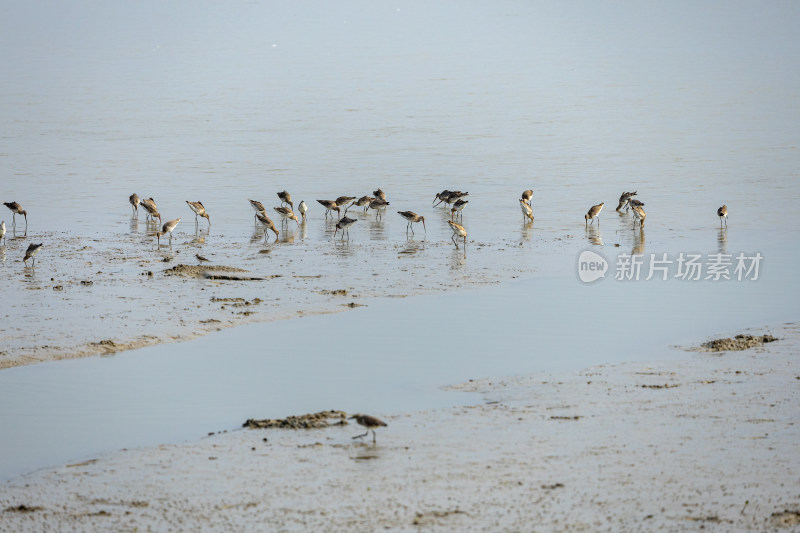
369,422
624,200
459,230
3,231
167,228
134,200
379,194
268,225
526,197
258,207
345,201
722,212
16,209
344,225
303,208
287,214
412,218
152,211
363,202
330,205
639,215
379,206
286,198
458,206
199,211
593,213
527,212
30,253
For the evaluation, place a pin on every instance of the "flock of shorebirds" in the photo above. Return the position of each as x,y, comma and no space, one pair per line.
455,200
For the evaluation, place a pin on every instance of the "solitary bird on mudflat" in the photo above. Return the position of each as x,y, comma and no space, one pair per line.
459,230
722,212
286,198
31,252
199,211
412,218
526,197
593,213
369,422
167,228
268,225
134,200
344,225
16,209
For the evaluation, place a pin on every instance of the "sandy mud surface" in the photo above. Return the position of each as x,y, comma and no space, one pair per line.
709,443
98,296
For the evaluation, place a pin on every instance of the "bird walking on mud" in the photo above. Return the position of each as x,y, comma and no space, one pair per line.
268,225
593,213
369,422
344,225
16,209
722,212
458,230
412,218
167,228
199,211
31,252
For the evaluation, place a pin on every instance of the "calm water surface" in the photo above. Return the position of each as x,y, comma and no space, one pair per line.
693,106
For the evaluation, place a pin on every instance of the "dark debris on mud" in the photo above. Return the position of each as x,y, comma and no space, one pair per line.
308,421
737,343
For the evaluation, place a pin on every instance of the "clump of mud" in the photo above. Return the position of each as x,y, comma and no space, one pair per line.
309,421
199,271
739,342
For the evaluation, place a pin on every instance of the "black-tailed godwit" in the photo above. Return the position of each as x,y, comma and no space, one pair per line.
31,252
722,212
330,205
458,207
134,200
167,228
639,215
379,206
344,225
16,209
527,212
286,198
593,213
199,211
623,200
286,214
268,225
459,230
527,196
303,208
412,218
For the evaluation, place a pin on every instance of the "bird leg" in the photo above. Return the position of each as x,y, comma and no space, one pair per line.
361,436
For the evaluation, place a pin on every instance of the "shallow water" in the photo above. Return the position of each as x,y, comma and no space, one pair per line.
691,106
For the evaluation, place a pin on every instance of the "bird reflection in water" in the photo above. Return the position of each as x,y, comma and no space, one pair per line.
638,242
722,240
593,234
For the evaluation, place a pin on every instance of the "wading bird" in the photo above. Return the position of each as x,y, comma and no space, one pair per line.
134,200
459,230
16,209
268,225
199,211
167,228
286,198
330,205
412,218
722,212
303,208
344,225
287,215
593,213
31,252
369,422
527,212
